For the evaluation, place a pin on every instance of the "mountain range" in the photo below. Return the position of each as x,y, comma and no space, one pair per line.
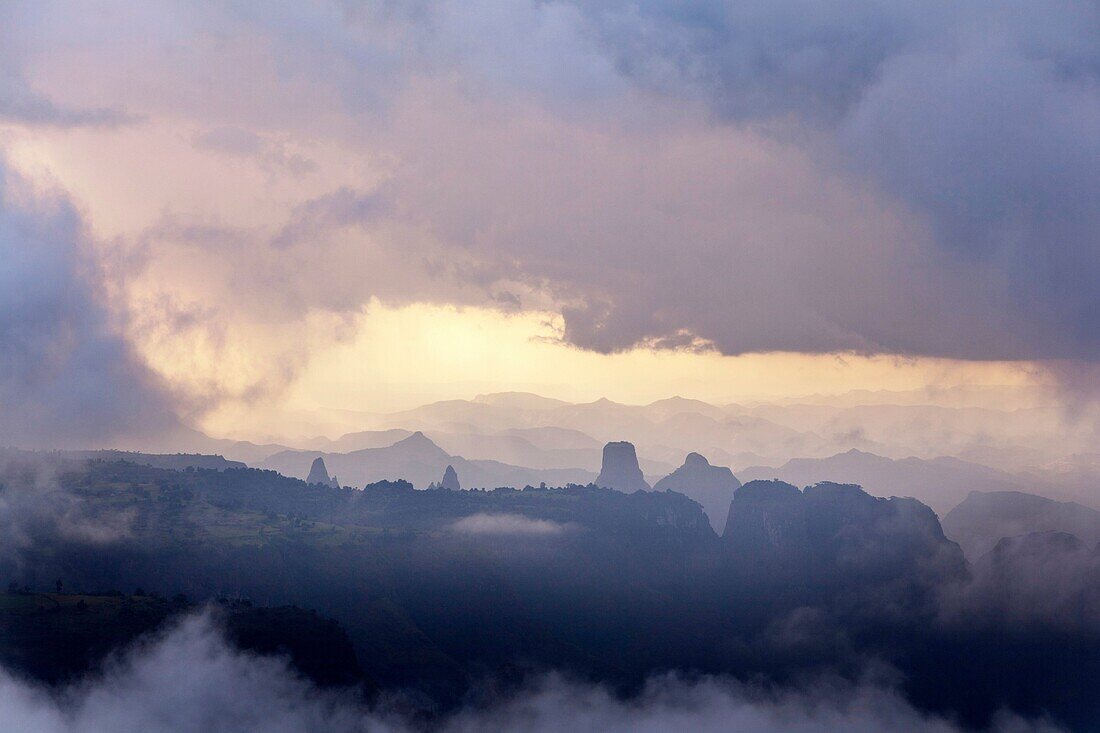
420,461
890,443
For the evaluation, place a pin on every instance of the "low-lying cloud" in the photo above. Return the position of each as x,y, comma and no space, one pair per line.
191,680
37,509
507,525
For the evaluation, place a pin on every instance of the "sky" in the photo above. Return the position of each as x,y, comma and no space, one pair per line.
231,212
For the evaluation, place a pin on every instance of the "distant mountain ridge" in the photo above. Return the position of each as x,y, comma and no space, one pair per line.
940,483
1027,447
984,518
171,461
420,461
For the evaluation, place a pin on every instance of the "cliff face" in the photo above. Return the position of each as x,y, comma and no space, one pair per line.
766,516
620,470
830,527
711,486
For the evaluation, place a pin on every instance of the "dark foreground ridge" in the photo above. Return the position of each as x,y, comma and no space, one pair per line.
59,637
444,592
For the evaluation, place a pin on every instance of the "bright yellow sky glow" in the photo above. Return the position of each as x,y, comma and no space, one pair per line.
404,357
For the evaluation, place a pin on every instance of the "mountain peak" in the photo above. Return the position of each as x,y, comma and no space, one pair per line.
696,460
711,486
518,400
419,444
318,473
417,438
859,453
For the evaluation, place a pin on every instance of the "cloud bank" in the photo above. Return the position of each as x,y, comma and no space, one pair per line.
776,176
191,680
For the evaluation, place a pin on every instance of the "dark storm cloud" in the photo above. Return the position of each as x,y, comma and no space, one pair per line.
944,205
1002,151
983,119
758,59
67,376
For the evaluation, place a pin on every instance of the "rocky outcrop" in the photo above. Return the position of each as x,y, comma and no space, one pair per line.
450,480
838,528
620,470
765,517
318,474
711,486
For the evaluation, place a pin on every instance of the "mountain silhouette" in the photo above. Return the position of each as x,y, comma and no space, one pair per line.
318,474
420,461
620,468
940,482
711,486
829,527
450,479
984,518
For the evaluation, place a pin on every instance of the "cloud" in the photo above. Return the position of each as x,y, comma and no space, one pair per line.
67,375
241,143
507,525
24,108
711,704
191,680
960,137
989,137
188,681
762,176
21,105
315,218
1039,582
39,508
